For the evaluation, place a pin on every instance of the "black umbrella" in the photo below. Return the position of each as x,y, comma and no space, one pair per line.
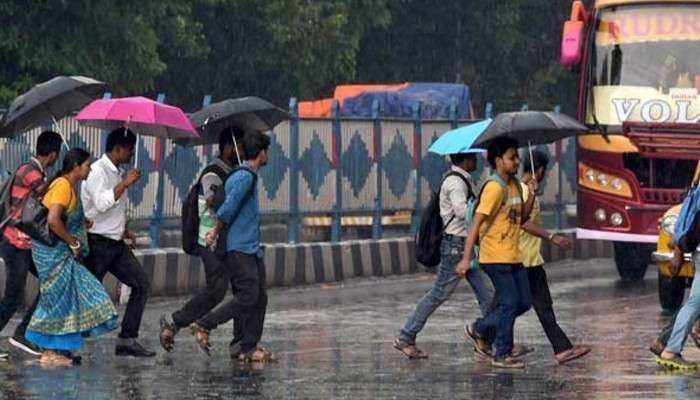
245,113
48,102
531,128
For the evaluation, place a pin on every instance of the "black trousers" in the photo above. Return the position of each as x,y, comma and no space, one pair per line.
218,281
542,303
247,273
18,263
115,257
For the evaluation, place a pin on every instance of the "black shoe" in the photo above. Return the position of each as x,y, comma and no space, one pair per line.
25,345
134,349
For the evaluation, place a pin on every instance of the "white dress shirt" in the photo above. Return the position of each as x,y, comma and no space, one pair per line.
453,202
97,193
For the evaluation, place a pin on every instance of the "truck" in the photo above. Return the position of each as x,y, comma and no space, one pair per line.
638,64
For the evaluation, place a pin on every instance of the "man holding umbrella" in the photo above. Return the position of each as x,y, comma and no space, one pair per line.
104,196
15,246
209,185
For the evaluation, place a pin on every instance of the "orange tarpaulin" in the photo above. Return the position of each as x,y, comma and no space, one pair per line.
322,108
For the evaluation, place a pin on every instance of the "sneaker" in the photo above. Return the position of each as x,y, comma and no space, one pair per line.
25,345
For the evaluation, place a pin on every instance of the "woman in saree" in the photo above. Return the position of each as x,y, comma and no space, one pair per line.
73,304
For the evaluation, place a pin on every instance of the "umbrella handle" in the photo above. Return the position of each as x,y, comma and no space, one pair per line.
58,130
532,162
235,146
136,150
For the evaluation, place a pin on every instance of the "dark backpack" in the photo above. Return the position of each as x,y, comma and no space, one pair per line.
429,235
190,209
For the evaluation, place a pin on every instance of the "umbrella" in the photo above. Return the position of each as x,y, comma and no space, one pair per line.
48,102
531,128
245,113
460,140
145,116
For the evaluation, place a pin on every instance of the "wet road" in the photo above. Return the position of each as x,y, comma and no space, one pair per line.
335,342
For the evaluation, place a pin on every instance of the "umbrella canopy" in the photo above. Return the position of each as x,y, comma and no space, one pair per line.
48,102
460,140
142,115
531,127
245,113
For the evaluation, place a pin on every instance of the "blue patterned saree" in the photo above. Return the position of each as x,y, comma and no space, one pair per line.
73,304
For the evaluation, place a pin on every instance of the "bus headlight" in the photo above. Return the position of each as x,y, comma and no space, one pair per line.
616,219
668,224
600,181
600,215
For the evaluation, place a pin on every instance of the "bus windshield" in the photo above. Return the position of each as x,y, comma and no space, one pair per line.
646,64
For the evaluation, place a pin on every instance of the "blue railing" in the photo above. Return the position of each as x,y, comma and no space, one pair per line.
332,167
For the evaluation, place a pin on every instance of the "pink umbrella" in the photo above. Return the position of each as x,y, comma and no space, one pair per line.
144,116
140,114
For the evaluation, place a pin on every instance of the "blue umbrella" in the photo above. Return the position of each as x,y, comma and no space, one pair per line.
460,140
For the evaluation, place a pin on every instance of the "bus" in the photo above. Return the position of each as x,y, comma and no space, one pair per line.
638,63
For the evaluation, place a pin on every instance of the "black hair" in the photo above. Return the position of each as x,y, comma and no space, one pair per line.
459,158
498,147
226,137
47,143
74,158
253,143
120,137
539,160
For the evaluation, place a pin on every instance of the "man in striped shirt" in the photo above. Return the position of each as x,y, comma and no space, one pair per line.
15,246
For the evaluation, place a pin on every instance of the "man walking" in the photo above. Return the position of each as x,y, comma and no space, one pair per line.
104,196
15,246
244,255
531,238
211,181
455,191
497,221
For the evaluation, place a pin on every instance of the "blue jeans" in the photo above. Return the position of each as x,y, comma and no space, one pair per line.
688,313
451,250
513,299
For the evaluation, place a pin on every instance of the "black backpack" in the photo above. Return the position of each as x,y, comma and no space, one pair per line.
429,235
190,209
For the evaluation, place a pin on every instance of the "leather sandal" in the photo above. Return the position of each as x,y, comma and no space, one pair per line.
409,349
201,335
167,334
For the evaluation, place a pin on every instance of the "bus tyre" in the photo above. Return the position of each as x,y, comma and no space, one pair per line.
632,260
671,292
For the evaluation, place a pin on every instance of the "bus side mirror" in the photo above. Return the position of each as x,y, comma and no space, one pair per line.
572,43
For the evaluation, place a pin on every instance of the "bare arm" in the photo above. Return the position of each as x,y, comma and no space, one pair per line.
470,241
59,228
536,230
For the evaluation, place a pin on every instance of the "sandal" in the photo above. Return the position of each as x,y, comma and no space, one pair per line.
657,348
201,335
256,355
53,358
481,347
409,349
572,354
167,334
520,350
677,362
508,363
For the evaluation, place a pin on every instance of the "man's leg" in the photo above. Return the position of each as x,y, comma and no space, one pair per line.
17,264
445,283
101,256
127,269
542,303
209,297
483,289
687,314
507,304
255,321
244,271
